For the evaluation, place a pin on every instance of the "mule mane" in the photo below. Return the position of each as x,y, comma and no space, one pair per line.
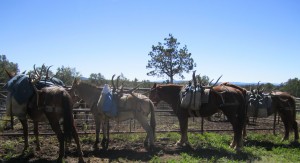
243,90
170,88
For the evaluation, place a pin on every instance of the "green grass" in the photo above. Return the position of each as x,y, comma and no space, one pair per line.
214,147
3,122
207,147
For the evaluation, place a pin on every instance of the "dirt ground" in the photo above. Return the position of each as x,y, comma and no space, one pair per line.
122,151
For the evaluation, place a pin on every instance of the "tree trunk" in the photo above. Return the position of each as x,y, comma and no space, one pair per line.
171,79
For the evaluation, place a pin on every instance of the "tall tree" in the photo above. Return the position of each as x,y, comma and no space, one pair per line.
9,66
67,74
168,59
203,79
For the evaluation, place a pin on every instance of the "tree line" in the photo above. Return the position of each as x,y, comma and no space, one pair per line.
166,59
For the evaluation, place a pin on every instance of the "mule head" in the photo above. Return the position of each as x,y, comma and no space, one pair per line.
153,96
74,87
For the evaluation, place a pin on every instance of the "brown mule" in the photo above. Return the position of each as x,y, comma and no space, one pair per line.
227,98
50,103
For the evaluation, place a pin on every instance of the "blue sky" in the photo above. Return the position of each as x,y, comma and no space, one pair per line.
243,40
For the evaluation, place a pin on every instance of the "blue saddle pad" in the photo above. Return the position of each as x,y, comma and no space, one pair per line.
20,88
109,106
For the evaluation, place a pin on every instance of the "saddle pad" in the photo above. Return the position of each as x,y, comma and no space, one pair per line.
20,88
109,105
205,96
191,100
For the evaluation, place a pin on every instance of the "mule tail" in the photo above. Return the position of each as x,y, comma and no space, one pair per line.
152,119
68,121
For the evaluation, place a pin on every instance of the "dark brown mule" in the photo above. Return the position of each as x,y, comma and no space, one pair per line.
47,104
229,99
285,105
278,102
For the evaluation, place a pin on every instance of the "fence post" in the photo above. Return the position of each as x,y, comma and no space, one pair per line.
202,122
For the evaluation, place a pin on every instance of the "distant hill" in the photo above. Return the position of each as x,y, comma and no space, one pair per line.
84,78
245,84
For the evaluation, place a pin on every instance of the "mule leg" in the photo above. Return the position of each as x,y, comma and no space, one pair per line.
25,134
245,128
295,127
105,132
144,123
75,135
233,143
236,140
183,125
36,134
98,125
54,123
286,127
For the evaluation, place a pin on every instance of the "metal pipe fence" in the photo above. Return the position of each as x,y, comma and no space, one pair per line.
165,119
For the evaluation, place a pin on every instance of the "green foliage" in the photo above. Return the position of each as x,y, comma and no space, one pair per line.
97,79
3,122
67,74
9,66
9,149
292,86
168,59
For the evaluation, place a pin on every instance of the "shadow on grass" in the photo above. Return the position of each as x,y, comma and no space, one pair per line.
213,153
269,145
160,150
25,159
135,152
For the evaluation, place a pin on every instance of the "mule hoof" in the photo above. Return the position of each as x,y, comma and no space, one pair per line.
151,148
80,160
38,148
179,144
95,146
104,144
237,149
183,144
146,144
59,159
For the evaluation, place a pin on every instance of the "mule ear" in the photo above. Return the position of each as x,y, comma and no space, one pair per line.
154,85
9,74
76,81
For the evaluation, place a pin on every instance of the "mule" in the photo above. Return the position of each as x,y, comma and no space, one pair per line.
47,104
270,104
129,106
227,98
